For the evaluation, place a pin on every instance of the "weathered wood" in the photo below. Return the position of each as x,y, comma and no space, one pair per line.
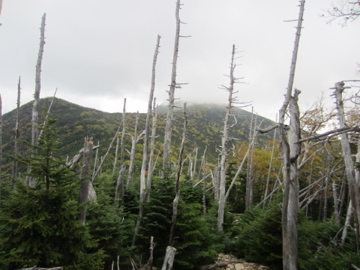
177,183
171,92
169,258
35,110
16,135
86,175
224,142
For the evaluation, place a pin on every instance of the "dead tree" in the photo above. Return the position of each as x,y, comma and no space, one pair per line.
16,135
1,146
134,140
35,111
169,258
349,163
119,189
146,185
152,149
86,175
171,92
224,142
177,183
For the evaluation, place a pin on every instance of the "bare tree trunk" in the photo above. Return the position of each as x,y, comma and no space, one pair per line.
145,186
171,92
119,190
169,258
152,149
289,227
35,111
202,167
250,159
177,183
349,163
134,140
47,114
116,154
86,175
16,135
224,141
347,222
1,146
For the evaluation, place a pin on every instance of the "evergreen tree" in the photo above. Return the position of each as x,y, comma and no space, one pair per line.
39,224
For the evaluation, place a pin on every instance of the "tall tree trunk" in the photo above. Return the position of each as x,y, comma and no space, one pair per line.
250,159
289,228
134,140
177,183
86,175
35,111
171,92
1,146
152,149
119,189
349,163
16,135
144,186
269,170
224,142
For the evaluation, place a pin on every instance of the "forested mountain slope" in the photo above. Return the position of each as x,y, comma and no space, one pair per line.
74,122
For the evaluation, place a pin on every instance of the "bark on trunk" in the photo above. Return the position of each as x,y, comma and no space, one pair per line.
134,140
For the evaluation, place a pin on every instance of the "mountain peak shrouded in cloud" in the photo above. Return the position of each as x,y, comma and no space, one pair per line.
97,54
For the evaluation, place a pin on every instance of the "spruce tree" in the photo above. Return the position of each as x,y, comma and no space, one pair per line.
39,224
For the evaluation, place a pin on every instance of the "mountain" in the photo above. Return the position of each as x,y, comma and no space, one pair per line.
74,122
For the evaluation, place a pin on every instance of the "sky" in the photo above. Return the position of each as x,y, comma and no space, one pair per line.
99,52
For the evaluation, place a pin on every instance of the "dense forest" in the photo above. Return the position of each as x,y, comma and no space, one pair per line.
177,186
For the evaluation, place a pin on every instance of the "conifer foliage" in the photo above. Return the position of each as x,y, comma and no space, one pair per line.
39,224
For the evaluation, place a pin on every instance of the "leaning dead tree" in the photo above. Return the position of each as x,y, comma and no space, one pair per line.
171,92
350,168
35,111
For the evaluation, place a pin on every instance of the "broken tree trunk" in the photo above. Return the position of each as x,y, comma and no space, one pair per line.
169,258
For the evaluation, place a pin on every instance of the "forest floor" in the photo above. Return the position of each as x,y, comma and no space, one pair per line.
228,262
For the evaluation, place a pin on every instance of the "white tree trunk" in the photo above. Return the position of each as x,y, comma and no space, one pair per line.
177,183
134,140
171,92
169,258
17,134
224,141
119,189
35,111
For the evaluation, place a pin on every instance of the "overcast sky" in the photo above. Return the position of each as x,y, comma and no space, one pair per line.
99,52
